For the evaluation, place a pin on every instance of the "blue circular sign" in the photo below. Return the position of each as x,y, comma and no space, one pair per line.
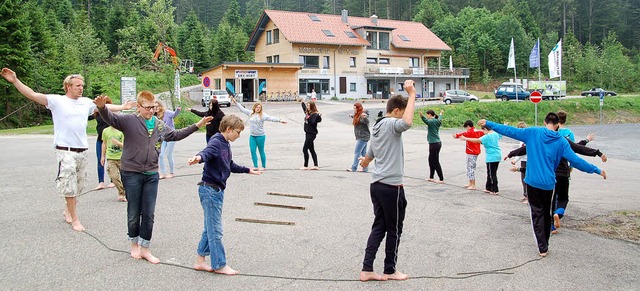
206,82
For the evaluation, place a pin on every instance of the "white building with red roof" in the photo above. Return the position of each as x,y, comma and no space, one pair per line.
343,56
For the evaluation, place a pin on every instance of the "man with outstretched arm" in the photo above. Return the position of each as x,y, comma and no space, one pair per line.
386,190
69,113
545,148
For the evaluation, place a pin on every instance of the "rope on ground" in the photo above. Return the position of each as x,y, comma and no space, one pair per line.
23,106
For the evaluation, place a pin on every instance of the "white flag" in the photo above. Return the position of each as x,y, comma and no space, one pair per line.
450,63
512,57
555,61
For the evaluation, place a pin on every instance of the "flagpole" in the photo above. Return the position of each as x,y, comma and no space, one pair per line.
539,62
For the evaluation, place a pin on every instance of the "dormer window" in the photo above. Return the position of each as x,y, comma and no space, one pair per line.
378,40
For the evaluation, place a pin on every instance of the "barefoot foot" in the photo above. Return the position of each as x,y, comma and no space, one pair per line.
304,168
226,270
371,276
440,182
556,220
202,267
471,188
135,251
67,217
396,276
111,185
100,186
430,180
146,254
77,226
543,254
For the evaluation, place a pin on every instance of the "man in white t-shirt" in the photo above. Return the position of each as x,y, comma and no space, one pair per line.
70,113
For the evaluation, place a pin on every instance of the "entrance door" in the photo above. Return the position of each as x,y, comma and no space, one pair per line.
247,90
378,88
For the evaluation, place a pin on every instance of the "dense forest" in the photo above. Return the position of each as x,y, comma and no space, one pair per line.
45,40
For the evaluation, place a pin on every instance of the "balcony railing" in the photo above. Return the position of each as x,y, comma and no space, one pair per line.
427,72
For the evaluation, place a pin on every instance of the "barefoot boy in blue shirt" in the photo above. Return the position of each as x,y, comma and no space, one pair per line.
218,166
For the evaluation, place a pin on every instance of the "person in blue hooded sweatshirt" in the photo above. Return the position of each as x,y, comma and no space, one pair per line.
545,148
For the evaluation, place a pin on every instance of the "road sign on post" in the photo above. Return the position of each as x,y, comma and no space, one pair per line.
601,104
535,97
206,82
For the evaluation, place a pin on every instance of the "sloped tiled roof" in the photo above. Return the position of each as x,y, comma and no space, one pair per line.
298,27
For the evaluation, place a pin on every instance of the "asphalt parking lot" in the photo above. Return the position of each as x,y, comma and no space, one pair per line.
453,238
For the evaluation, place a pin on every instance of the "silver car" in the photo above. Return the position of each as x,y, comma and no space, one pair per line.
458,96
221,95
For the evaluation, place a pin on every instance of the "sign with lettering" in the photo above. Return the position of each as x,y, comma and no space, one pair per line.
391,70
246,74
348,51
314,50
127,89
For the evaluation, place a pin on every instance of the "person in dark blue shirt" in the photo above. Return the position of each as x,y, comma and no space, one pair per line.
218,166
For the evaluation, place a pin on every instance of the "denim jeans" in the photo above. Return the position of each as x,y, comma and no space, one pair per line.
211,241
99,156
166,151
141,191
360,151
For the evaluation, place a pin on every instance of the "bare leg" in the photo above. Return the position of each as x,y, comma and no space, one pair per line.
135,251
226,270
71,210
396,276
201,265
371,276
146,254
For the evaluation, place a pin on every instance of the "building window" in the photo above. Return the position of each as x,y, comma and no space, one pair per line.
414,62
328,33
216,83
352,62
269,59
314,17
372,38
350,34
383,61
312,62
276,35
276,59
372,61
269,40
325,62
352,87
383,38
403,37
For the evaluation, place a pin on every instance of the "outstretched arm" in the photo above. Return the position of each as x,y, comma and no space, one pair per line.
409,86
11,77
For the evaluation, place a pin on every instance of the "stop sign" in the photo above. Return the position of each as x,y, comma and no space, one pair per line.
535,97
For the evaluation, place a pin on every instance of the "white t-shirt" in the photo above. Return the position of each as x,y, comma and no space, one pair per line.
70,120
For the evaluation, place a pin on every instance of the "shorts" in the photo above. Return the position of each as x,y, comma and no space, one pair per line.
72,172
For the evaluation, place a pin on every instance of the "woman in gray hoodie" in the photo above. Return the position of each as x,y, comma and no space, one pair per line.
361,129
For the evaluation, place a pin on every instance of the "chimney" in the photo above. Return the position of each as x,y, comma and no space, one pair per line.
345,16
374,19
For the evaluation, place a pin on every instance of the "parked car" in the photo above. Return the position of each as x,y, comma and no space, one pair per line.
221,95
507,91
596,92
458,96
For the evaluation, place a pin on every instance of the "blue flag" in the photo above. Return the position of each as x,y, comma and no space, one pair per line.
534,56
